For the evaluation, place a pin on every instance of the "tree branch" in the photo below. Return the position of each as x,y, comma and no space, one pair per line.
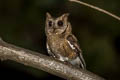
97,8
45,63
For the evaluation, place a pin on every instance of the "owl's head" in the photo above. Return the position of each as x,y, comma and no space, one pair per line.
57,25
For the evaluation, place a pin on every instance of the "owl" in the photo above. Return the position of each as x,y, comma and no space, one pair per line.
61,43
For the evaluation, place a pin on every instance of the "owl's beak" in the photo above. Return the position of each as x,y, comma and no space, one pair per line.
54,30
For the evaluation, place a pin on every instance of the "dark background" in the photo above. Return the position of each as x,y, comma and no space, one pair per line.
22,23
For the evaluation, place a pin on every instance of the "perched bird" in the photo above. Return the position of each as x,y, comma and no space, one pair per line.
61,43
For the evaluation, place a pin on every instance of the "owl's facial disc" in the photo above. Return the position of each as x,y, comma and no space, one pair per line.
56,26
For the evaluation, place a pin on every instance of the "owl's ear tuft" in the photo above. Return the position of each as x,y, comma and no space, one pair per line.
65,16
48,15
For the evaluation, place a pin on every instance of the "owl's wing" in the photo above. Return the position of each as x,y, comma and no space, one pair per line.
49,51
73,43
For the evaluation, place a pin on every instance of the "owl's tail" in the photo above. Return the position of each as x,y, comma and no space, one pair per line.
82,62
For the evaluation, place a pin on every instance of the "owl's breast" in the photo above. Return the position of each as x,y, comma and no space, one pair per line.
61,48
56,44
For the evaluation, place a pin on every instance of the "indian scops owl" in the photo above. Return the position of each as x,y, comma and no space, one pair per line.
61,43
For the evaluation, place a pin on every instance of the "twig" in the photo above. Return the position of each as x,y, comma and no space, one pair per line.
97,8
45,63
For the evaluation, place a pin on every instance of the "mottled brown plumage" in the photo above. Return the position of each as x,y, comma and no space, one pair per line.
61,43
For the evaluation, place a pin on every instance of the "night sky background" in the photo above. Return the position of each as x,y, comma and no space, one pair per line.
22,23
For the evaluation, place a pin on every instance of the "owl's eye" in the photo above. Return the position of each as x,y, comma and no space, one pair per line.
50,23
60,23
